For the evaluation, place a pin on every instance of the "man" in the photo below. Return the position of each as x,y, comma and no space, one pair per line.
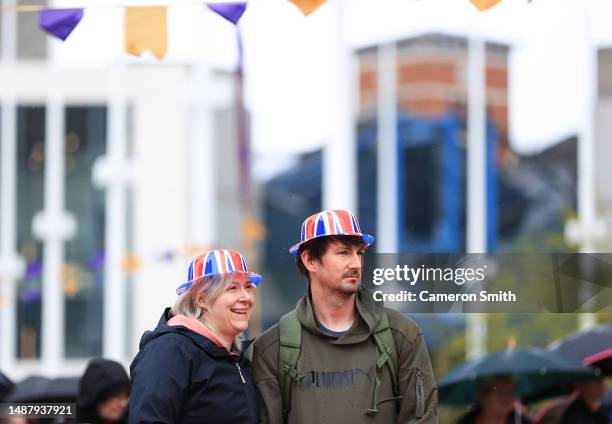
587,407
340,357
496,403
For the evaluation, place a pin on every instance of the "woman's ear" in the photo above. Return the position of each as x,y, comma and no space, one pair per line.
200,301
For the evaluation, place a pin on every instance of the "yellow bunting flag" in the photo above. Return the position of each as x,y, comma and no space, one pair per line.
252,229
192,250
146,29
484,4
131,263
70,274
308,6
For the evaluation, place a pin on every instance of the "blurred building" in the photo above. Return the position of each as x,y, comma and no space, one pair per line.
432,79
180,135
528,197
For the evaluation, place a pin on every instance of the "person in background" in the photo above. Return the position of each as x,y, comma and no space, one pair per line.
191,368
497,403
6,386
587,407
104,391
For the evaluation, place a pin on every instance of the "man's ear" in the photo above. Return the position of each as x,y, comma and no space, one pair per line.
307,260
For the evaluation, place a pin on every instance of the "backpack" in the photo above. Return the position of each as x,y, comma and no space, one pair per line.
290,343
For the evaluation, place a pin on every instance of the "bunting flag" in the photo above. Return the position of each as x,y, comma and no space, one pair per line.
230,11
146,29
484,4
309,6
59,22
252,229
33,270
30,295
131,263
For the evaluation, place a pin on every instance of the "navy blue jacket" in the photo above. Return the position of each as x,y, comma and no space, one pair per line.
180,376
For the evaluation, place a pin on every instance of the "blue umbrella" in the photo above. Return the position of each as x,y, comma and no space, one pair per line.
537,373
581,344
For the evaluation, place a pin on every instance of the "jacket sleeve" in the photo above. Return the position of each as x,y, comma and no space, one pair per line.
160,377
417,383
265,375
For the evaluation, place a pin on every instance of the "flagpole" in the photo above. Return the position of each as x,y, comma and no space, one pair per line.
340,153
586,157
11,264
387,184
476,330
53,225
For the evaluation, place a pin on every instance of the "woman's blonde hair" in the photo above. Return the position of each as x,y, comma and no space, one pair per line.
209,289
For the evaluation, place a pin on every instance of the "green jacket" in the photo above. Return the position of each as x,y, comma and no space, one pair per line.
338,372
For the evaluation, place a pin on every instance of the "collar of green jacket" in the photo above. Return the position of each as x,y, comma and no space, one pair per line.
368,314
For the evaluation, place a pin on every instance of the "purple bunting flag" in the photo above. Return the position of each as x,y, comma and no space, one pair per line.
96,263
230,11
59,22
33,270
30,295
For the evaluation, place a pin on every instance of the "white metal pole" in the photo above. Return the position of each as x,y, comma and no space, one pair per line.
340,153
387,187
476,179
202,159
53,293
117,170
586,152
11,265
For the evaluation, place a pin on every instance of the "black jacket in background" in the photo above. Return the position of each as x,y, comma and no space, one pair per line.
579,413
102,380
471,416
6,385
180,376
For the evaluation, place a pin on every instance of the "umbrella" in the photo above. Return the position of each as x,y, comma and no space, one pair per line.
6,385
43,389
537,373
601,360
582,344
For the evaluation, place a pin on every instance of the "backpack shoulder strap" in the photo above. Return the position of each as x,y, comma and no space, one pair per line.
387,355
290,344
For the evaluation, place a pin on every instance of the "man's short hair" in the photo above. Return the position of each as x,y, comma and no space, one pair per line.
318,246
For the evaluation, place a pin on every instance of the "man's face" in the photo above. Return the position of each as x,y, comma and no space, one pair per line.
501,398
339,269
593,391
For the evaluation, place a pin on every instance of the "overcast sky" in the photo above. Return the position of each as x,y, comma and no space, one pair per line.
287,56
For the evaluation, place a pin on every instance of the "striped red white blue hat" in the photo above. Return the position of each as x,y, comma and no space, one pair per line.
330,223
217,262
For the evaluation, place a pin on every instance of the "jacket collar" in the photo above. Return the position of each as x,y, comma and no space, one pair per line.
201,341
368,315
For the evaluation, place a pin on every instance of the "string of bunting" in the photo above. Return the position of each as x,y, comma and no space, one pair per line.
146,27
74,273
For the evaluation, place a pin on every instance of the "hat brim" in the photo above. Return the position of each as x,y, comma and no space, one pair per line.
368,239
253,277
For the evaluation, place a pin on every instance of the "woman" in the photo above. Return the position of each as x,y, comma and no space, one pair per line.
104,391
190,369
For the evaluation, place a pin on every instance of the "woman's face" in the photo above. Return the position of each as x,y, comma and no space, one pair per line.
114,408
229,313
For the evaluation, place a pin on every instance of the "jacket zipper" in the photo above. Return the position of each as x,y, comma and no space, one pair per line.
240,372
420,401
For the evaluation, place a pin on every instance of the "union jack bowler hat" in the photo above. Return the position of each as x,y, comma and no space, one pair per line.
330,223
217,262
